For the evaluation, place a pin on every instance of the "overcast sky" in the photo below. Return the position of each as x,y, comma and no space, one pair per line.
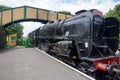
60,5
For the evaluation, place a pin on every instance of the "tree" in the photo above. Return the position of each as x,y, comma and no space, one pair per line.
65,12
12,29
2,7
15,28
115,12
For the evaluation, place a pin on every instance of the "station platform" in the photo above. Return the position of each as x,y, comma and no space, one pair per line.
22,63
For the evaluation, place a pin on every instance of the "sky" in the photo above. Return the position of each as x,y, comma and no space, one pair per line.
60,5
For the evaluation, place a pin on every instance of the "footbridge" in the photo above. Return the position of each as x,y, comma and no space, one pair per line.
27,13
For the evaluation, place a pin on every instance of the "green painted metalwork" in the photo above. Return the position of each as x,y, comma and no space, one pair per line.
37,13
26,42
18,19
47,14
11,15
25,12
25,15
1,18
57,16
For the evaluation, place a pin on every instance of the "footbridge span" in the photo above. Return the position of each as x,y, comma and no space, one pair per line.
27,13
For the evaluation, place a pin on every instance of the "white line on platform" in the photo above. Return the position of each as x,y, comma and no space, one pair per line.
66,65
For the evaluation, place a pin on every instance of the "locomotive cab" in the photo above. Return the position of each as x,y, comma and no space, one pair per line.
104,32
105,37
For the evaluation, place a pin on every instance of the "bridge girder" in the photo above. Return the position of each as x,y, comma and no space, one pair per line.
27,13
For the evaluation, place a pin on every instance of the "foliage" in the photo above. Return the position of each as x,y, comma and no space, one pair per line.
19,42
4,7
65,12
26,41
114,12
14,28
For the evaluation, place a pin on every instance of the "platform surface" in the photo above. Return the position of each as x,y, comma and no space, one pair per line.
30,64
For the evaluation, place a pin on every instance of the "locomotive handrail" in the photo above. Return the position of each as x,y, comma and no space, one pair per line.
109,37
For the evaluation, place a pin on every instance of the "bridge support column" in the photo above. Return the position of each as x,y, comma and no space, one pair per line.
2,36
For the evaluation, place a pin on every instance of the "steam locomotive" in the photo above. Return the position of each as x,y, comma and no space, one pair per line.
87,39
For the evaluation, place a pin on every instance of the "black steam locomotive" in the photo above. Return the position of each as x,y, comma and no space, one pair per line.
87,39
